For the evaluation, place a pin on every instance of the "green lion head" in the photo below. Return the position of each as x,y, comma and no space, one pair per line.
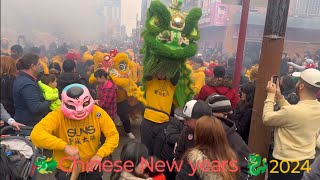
169,38
170,32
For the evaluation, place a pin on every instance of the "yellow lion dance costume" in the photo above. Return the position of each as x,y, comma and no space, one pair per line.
120,74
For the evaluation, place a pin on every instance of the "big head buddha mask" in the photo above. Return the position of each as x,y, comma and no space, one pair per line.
77,102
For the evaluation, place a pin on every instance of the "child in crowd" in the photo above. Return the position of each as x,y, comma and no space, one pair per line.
48,85
138,154
107,93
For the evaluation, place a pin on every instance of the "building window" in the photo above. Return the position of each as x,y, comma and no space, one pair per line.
307,8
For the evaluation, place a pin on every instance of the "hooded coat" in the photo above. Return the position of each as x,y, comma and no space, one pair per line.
57,59
221,87
50,94
237,144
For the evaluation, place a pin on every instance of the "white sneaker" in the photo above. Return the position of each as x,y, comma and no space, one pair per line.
131,136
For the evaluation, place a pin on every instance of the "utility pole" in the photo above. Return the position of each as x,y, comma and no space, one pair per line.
241,43
270,58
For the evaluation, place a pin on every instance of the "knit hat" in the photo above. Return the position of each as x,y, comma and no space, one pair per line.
194,109
309,61
196,60
73,56
219,72
219,103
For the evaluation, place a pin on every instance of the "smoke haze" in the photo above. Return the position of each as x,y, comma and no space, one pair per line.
43,20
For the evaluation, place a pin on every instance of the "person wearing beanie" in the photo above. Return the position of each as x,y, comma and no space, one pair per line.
73,56
309,63
197,74
220,85
221,107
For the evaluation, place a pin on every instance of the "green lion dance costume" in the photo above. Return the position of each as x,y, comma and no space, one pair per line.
169,38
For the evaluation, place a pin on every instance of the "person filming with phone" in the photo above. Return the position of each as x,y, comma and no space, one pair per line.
295,126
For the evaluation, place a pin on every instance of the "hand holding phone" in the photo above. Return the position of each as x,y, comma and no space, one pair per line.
275,79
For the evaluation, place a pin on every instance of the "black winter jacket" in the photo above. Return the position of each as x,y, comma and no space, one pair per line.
238,145
172,133
242,119
185,142
30,106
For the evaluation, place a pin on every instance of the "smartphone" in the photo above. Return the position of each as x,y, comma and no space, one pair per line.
275,79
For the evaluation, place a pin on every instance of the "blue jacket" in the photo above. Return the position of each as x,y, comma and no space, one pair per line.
30,106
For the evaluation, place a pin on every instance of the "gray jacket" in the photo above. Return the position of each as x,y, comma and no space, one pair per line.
5,116
314,173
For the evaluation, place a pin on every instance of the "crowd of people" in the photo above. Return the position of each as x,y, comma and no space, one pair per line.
53,93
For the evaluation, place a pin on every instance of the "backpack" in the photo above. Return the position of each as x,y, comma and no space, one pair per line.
13,165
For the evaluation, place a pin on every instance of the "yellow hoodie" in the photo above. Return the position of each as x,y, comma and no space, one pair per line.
198,78
57,59
45,67
44,59
159,98
87,56
55,131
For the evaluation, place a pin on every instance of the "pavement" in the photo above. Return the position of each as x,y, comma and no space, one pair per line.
135,126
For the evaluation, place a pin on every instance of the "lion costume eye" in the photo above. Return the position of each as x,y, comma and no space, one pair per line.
107,58
122,66
155,21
